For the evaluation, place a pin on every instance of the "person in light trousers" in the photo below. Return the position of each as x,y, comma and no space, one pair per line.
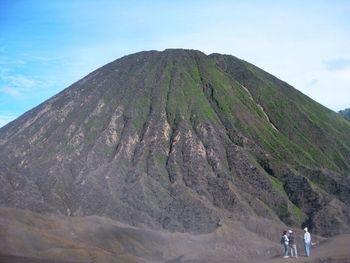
285,244
292,245
307,241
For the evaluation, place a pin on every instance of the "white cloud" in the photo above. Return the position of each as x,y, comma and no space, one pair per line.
14,62
6,118
20,81
18,85
11,91
313,82
338,64
344,74
331,88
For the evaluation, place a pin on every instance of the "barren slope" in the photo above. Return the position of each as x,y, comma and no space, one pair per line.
35,238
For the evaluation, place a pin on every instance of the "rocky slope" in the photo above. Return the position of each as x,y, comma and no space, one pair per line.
345,113
179,141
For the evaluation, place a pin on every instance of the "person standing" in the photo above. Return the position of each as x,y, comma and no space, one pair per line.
307,241
285,242
292,245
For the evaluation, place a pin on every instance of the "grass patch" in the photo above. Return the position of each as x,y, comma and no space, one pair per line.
298,214
277,184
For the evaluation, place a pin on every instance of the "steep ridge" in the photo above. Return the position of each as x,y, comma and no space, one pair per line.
178,140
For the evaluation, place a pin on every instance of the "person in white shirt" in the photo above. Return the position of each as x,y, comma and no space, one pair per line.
307,241
285,242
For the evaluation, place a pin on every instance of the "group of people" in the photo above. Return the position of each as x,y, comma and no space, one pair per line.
290,245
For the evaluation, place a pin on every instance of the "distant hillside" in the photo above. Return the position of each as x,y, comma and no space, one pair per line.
345,113
180,141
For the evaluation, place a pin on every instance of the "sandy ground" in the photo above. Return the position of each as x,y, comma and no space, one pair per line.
336,249
27,237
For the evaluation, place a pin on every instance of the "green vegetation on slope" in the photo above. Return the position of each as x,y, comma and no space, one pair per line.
309,134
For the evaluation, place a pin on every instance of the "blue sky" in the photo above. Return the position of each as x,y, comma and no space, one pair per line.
47,45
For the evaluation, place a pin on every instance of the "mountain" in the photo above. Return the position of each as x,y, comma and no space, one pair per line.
345,113
180,141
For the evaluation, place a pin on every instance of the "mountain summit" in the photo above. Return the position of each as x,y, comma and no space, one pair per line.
179,140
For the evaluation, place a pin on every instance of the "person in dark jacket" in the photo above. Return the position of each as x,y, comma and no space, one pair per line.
292,245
